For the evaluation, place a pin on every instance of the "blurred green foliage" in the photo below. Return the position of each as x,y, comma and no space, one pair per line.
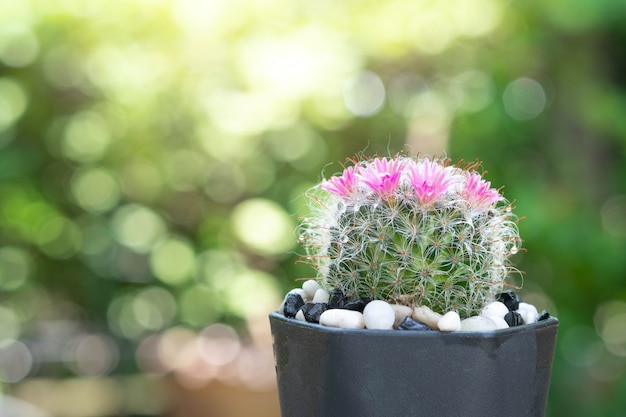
152,155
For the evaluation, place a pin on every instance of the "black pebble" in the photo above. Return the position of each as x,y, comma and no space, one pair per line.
313,311
410,324
356,305
293,303
513,318
337,299
544,315
510,300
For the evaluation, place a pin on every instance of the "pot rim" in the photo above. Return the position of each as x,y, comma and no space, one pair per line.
314,327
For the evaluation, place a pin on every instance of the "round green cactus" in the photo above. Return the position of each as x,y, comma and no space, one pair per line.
415,231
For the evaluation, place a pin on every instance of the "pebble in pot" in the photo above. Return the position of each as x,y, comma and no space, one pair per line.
425,315
449,322
313,311
321,296
496,312
310,286
300,315
412,325
293,303
499,322
495,309
513,318
401,313
478,324
298,291
509,299
336,299
528,312
379,315
356,305
345,319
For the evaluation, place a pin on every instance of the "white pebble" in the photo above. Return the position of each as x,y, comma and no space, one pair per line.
321,296
300,315
299,291
494,309
528,312
345,319
500,322
425,315
449,322
379,315
309,287
401,312
478,324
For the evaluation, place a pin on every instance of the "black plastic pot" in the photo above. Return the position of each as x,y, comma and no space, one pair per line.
329,372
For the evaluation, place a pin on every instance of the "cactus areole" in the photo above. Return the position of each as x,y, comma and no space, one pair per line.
414,231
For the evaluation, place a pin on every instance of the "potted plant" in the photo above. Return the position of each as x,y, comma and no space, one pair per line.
410,313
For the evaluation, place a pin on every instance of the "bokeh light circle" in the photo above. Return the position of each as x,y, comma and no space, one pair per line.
95,189
264,226
138,227
173,261
364,94
16,361
13,102
15,266
524,99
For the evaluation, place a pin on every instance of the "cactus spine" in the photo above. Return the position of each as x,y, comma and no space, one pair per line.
412,231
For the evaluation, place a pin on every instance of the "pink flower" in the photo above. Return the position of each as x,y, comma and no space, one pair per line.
382,175
430,180
478,192
343,185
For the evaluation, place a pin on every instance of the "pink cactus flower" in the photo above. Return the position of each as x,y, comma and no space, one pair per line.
343,185
430,180
382,175
478,192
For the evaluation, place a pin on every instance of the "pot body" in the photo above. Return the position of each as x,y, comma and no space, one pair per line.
328,372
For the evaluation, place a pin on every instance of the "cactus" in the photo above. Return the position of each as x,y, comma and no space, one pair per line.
415,231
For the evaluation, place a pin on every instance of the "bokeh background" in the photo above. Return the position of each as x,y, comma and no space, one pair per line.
153,154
